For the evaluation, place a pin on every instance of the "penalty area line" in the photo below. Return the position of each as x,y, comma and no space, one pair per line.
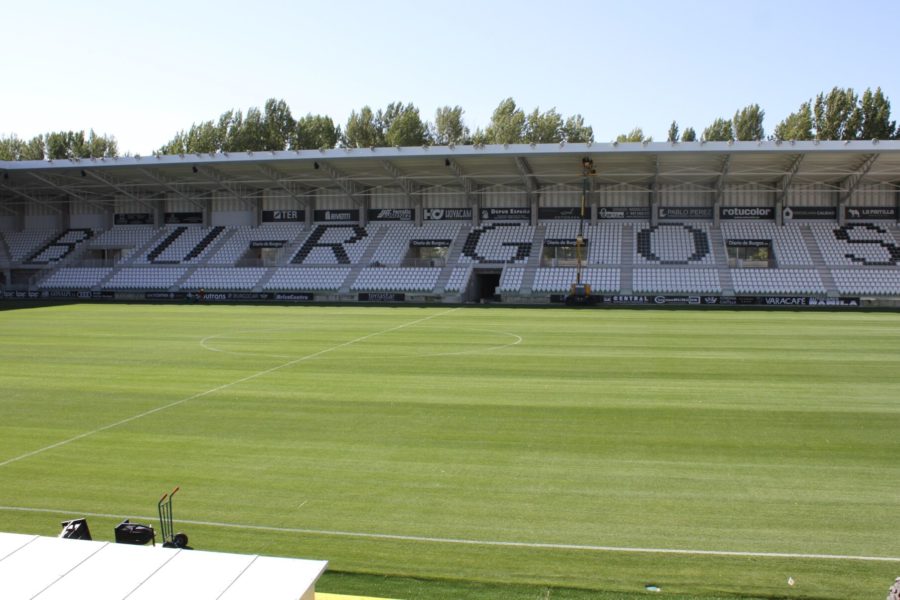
219,388
488,543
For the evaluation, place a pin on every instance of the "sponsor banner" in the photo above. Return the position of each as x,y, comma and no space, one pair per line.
165,295
283,216
21,295
870,213
512,213
429,243
834,301
184,218
748,243
626,300
133,219
382,297
391,214
685,212
746,212
80,294
350,214
810,212
569,242
737,300
807,301
292,297
624,212
660,300
268,243
448,214
551,213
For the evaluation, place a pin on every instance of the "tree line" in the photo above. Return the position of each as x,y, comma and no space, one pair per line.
840,114
58,145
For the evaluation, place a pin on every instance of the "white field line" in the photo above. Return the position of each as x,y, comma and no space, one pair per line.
219,388
438,540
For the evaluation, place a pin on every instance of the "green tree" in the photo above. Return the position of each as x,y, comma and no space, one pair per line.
448,127
575,131
250,136
836,116
543,128
635,135
507,124
362,131
673,132
876,117
720,131
315,132
689,135
102,145
748,123
15,148
278,124
403,126
797,125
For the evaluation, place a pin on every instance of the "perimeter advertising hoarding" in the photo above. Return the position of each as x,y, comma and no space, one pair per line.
391,214
623,212
327,216
56,294
870,213
747,213
447,214
828,213
184,218
512,213
552,213
381,297
232,296
685,212
133,219
283,216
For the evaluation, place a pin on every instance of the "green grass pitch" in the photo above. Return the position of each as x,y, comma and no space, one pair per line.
397,441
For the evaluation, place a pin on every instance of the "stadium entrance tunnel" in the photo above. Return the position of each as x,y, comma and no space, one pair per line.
486,284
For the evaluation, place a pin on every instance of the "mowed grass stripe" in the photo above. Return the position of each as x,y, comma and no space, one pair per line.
213,390
602,428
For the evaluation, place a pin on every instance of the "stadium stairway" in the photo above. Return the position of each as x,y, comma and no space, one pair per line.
534,260
218,242
720,252
129,260
453,253
145,249
292,248
364,260
819,261
626,280
261,284
179,283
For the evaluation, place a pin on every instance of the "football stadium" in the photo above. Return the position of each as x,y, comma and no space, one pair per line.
573,370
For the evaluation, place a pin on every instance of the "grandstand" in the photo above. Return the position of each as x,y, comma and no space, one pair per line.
695,223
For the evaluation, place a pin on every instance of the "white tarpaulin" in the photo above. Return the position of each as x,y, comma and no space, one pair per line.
45,568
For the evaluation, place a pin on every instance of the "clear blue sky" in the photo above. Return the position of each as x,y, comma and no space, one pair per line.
143,70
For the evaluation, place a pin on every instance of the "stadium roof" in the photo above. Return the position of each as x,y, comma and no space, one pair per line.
352,172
